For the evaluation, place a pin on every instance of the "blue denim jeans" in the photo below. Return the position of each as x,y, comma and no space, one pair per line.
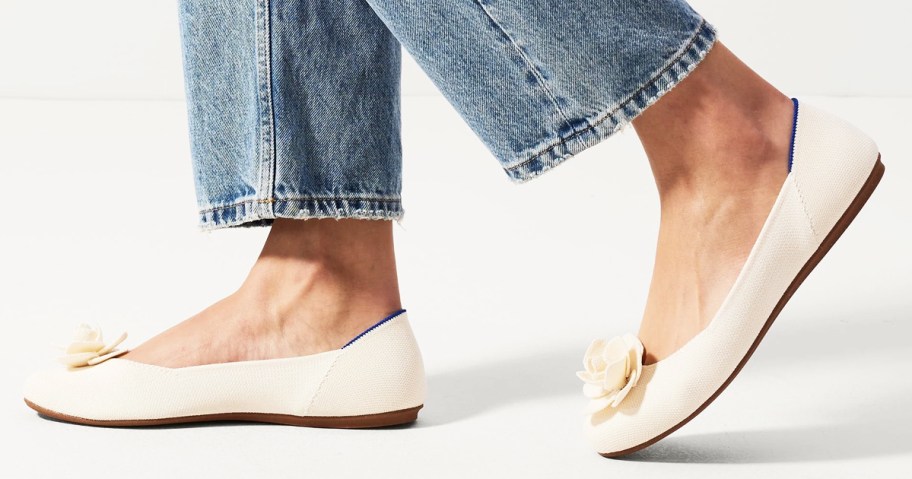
294,104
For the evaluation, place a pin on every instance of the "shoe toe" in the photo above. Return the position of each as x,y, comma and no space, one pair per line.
84,392
46,389
630,424
666,395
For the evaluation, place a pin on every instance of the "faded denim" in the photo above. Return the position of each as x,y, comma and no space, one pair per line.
294,104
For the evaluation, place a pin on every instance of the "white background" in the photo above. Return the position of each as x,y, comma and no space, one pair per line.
131,50
505,284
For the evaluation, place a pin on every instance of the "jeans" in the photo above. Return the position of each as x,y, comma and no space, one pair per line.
293,105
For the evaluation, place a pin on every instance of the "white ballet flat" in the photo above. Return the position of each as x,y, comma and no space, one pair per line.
375,380
833,169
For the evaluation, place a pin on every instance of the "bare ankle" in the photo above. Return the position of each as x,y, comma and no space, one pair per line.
721,128
345,255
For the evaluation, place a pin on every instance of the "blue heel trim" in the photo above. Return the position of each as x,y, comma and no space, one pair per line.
794,131
397,313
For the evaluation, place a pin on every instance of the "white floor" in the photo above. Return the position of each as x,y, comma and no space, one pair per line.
505,284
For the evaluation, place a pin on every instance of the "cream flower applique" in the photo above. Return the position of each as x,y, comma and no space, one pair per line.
612,370
88,347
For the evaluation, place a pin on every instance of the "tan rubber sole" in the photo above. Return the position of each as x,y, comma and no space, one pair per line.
860,199
392,418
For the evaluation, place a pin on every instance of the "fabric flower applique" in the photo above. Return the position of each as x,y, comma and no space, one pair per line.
613,368
88,347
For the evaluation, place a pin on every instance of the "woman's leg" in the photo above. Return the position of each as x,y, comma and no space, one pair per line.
315,286
749,202
549,87
539,81
719,148
294,114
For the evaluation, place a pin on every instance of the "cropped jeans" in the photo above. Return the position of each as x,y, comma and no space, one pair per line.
293,105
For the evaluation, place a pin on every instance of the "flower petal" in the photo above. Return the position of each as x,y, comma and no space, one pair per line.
615,349
637,360
101,359
613,368
596,405
588,377
113,345
619,397
593,391
84,347
635,344
86,332
616,375
626,390
76,359
592,360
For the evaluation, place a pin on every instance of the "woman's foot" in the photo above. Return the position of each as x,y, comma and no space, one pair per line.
834,169
316,285
718,145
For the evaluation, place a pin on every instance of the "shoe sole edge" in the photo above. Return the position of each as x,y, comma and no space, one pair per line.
366,421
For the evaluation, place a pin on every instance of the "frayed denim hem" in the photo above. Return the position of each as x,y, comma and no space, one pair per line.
605,124
262,212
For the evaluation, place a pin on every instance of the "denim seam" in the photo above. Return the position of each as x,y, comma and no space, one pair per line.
530,65
378,199
250,213
253,218
607,115
265,106
700,32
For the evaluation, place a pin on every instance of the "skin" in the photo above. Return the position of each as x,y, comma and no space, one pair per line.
315,285
718,147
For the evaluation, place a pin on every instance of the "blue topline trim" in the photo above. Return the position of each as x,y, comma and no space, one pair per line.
397,313
794,131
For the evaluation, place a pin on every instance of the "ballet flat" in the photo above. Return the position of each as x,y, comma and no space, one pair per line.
377,379
833,169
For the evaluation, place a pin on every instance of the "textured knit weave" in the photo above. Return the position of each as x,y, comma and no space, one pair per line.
381,371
